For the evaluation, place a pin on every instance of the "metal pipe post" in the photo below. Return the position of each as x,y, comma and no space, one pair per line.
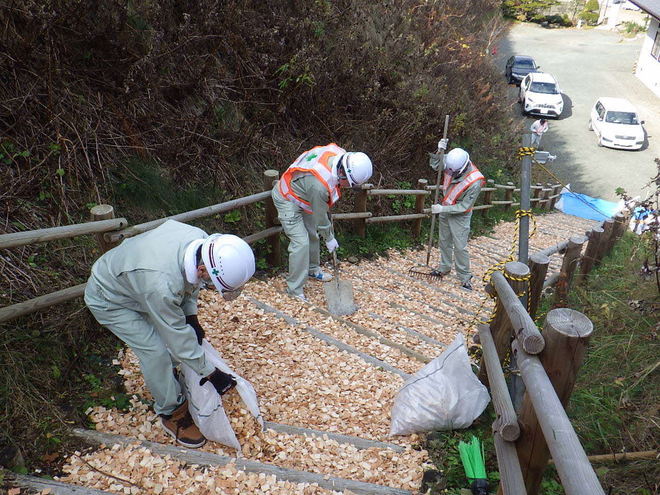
525,192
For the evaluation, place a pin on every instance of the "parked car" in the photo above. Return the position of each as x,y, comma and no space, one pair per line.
540,95
616,124
518,66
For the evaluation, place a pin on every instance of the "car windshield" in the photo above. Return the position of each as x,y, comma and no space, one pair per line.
544,88
525,64
621,118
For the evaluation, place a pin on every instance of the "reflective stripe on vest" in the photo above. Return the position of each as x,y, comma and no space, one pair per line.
456,190
316,163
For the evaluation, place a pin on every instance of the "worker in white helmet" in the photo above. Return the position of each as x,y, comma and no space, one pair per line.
145,292
303,197
461,186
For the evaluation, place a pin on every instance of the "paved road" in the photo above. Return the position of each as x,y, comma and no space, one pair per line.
588,64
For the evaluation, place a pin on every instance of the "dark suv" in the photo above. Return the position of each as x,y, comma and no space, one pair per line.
518,66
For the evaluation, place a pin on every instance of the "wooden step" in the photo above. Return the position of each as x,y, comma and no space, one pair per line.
199,458
54,487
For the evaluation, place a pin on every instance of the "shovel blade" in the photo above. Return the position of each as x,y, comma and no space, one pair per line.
339,296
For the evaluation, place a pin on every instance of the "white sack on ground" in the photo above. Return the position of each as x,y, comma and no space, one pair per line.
444,395
205,404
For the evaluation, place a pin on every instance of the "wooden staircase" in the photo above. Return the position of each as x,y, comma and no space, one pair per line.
326,384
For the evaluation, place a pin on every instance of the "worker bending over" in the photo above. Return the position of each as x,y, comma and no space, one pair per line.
303,196
461,185
145,292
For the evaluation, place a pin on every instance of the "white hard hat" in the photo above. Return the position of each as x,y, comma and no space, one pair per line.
357,167
229,261
456,161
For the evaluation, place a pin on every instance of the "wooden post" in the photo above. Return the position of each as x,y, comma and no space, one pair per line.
103,212
488,197
516,275
608,226
536,195
274,256
620,221
568,266
508,195
419,208
587,262
545,198
556,189
511,478
546,427
538,266
360,225
506,423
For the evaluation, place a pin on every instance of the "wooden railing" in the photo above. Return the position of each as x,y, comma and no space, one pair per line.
110,231
548,363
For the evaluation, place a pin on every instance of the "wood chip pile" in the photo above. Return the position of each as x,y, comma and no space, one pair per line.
136,470
303,381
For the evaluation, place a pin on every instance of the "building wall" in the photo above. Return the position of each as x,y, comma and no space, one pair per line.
648,67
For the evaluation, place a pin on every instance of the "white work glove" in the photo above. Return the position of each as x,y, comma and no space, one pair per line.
442,144
332,244
435,209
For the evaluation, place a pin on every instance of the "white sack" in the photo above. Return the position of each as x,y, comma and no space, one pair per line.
444,395
205,404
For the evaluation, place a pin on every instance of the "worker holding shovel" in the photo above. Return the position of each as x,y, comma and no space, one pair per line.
303,196
461,186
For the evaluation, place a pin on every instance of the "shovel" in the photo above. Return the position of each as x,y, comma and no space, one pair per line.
339,294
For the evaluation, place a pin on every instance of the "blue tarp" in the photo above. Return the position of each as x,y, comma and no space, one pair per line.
583,206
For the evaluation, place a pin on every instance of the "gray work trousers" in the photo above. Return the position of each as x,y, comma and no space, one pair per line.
304,245
139,334
453,231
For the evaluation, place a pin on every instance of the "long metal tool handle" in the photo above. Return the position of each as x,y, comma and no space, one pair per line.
335,267
437,190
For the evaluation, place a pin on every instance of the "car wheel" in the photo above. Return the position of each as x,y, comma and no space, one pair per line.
591,127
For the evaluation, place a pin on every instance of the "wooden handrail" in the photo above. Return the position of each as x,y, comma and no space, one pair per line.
511,479
27,307
17,239
506,423
397,192
549,382
188,216
523,326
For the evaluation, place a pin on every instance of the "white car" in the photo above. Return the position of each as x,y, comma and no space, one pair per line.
616,124
540,95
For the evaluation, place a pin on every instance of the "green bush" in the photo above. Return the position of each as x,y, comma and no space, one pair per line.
590,13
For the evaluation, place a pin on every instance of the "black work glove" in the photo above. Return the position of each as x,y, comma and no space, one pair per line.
199,331
223,382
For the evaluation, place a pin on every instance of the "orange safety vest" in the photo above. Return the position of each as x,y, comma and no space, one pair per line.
314,162
454,191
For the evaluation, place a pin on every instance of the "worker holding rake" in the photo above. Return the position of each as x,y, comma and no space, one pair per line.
303,196
461,186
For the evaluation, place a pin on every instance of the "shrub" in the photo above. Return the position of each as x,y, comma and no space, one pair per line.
590,13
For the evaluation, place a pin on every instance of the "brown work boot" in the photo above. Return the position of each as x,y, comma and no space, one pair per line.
183,429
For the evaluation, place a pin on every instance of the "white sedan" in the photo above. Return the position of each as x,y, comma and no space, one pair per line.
616,124
540,95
